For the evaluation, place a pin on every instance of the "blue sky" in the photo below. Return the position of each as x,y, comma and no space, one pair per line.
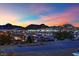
50,14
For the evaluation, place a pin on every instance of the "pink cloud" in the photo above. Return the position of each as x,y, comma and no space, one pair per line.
76,24
61,18
56,19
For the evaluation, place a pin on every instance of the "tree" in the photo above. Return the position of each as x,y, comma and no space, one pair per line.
64,35
5,39
30,39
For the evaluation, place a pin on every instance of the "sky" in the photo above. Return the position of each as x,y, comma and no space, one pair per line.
51,14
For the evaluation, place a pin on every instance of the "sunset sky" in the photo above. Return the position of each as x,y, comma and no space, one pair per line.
50,14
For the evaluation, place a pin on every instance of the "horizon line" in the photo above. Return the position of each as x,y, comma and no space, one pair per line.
36,24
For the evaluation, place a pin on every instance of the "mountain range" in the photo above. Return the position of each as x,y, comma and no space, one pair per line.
31,26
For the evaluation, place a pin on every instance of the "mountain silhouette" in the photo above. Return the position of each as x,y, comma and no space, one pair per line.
35,26
68,26
10,26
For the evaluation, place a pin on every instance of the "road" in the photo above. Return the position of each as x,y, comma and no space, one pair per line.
58,48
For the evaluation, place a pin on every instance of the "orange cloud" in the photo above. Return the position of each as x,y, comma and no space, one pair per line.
7,19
